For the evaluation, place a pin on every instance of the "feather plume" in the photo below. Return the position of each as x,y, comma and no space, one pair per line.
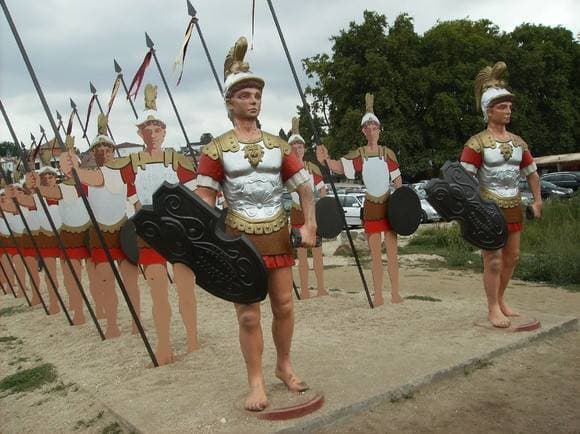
489,77
102,123
234,62
150,97
295,125
369,102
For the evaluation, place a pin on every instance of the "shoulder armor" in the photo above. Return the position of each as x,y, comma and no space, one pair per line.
518,141
271,141
391,154
352,154
313,168
183,161
211,150
479,141
119,162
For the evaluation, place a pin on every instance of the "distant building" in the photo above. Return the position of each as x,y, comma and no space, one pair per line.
558,163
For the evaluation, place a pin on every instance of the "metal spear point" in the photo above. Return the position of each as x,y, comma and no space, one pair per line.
94,92
118,70
193,13
42,130
148,41
32,138
93,89
76,112
58,116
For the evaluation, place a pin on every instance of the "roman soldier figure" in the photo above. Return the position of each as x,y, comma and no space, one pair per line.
316,183
252,168
379,168
498,159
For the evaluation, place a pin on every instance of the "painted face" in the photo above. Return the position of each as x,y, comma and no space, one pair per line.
500,113
103,154
153,135
48,179
371,131
3,199
298,149
246,103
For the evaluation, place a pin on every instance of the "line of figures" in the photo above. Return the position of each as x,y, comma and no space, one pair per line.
252,169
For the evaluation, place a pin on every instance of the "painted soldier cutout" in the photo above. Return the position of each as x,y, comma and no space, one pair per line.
252,168
498,158
73,227
107,192
316,183
10,252
379,169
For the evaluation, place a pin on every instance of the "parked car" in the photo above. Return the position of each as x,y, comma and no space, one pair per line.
429,213
563,179
548,190
352,203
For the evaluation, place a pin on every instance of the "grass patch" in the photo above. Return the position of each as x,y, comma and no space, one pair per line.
13,310
18,360
480,364
422,298
7,339
29,379
113,428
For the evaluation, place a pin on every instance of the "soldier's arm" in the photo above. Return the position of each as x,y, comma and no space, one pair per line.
50,192
322,156
208,195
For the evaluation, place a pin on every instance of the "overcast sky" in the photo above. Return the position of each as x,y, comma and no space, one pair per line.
71,42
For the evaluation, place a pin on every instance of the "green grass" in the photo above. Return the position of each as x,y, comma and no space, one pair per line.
422,298
5,339
83,424
9,311
29,379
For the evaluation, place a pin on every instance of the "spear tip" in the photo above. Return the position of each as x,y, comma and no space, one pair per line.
41,129
191,10
58,116
72,104
93,88
32,137
117,67
148,41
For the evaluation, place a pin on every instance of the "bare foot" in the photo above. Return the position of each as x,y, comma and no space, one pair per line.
507,311
498,319
304,295
134,329
165,358
379,300
33,302
395,299
53,309
112,332
322,293
292,382
100,313
192,345
256,399
79,319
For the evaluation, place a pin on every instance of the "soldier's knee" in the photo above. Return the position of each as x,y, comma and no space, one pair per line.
249,320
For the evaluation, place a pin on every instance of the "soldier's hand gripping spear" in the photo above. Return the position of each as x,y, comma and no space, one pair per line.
77,182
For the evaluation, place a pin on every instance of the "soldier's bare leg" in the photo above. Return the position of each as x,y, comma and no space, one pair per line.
303,272
74,295
185,283
510,256
130,275
53,306
104,279
282,303
8,269
252,345
393,265
318,264
33,267
492,265
21,273
95,289
374,241
157,279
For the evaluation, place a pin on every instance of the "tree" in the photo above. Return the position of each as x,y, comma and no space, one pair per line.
8,149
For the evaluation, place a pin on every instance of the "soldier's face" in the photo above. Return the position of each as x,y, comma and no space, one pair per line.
371,131
103,154
246,103
298,149
500,113
153,135
47,180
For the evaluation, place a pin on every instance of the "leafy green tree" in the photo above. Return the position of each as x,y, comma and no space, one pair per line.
7,149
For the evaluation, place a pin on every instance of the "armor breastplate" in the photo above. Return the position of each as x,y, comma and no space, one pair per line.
73,214
499,173
148,180
15,223
109,208
376,177
3,228
31,217
253,193
43,219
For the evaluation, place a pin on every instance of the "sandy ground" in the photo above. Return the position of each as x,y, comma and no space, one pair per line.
341,347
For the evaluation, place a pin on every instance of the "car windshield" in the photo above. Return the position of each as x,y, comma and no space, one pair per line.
549,184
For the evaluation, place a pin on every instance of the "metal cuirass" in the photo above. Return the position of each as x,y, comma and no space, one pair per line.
15,223
148,180
31,217
42,218
3,228
376,177
500,171
253,192
109,208
73,213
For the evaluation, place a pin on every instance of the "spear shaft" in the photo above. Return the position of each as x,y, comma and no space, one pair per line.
6,276
119,72
76,112
78,184
317,139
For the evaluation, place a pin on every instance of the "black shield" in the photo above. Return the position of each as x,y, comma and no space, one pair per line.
129,242
329,221
184,229
456,197
404,211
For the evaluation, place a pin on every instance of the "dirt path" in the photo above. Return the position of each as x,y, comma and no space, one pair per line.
532,390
